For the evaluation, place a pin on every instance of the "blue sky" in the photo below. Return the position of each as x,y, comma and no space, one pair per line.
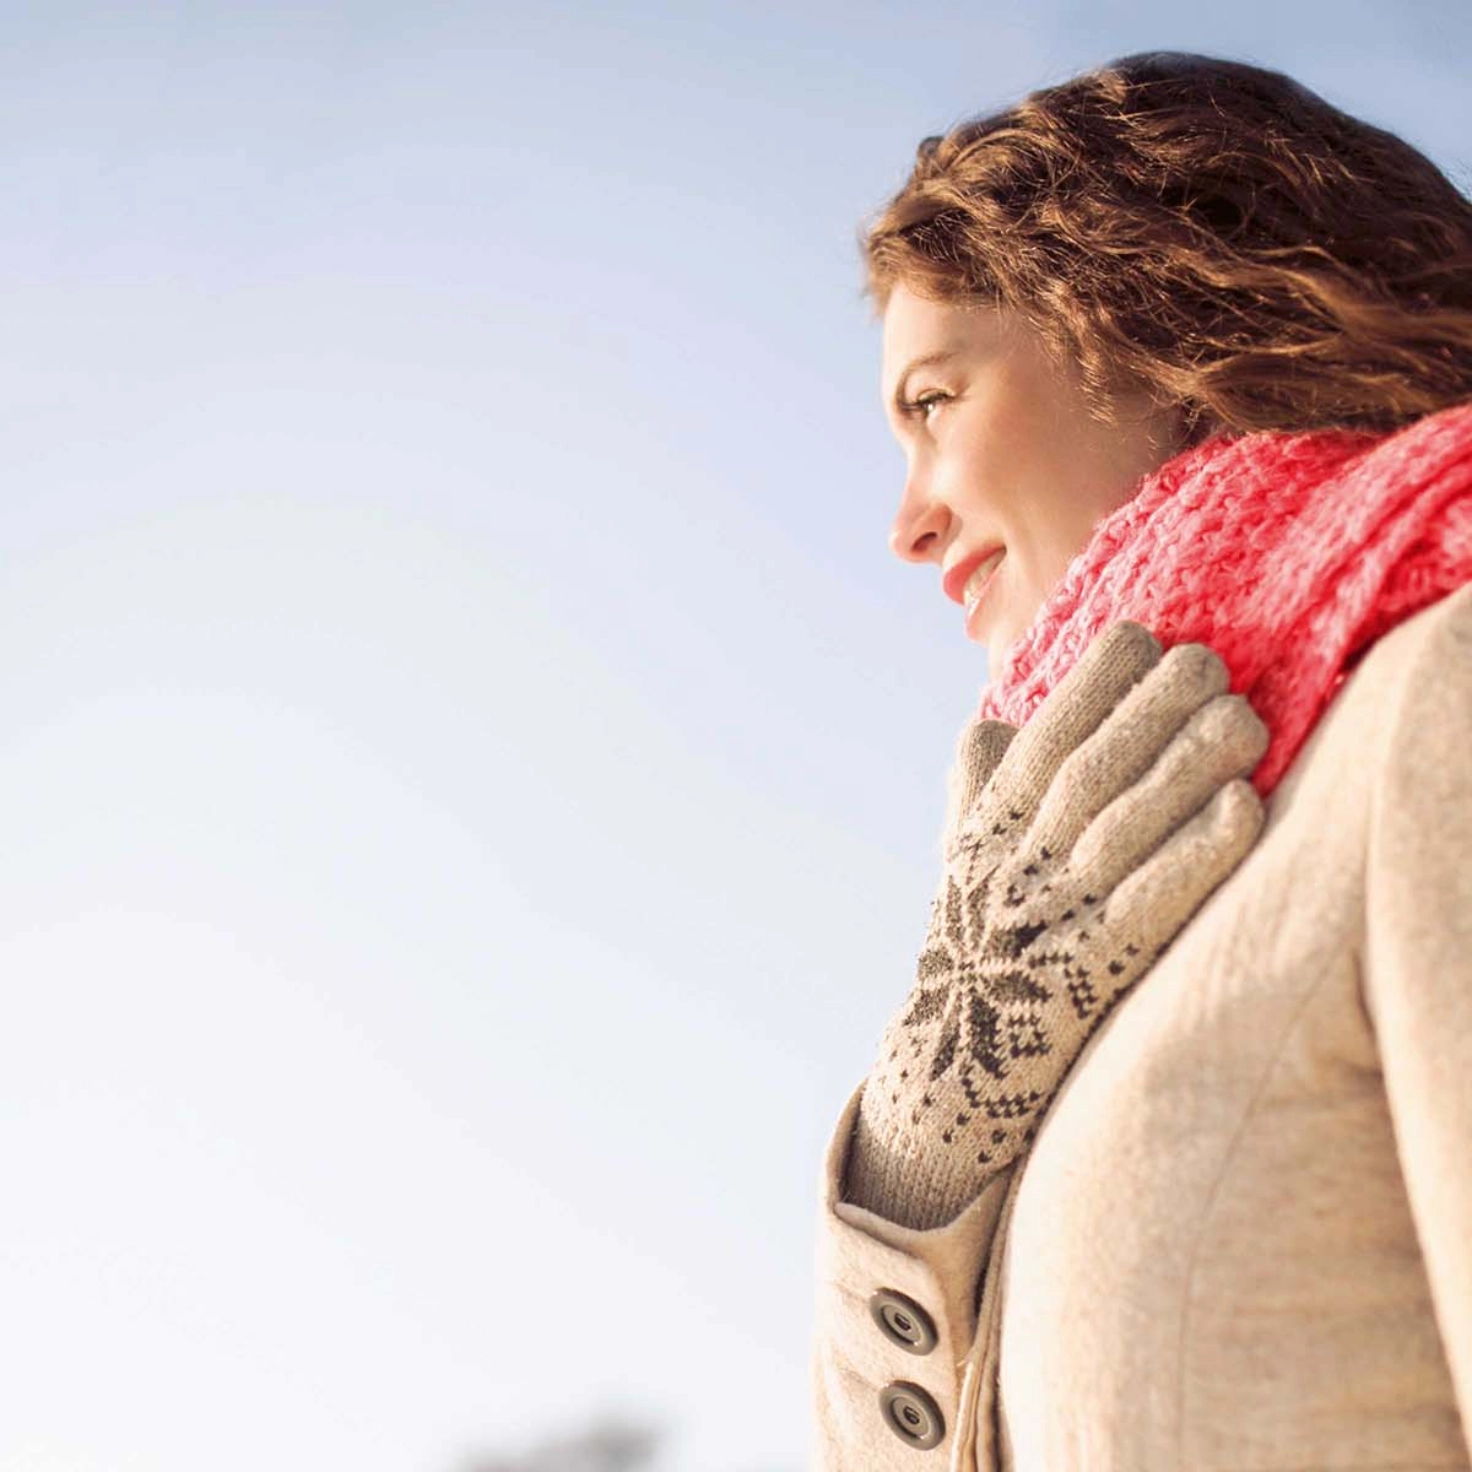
472,766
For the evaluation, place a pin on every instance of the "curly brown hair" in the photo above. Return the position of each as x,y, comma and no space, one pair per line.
1206,230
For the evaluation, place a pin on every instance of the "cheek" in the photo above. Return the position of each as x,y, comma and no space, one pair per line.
980,476
1044,533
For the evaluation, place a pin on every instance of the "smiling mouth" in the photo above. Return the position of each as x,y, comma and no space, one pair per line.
976,584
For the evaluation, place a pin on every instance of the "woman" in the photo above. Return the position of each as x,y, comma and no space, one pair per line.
1166,1160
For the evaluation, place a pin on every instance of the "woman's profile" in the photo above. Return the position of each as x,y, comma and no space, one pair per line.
1162,1160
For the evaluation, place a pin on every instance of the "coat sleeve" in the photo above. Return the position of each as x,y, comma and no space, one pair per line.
895,1318
1417,963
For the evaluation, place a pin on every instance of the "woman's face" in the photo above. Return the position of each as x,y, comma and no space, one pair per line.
1003,453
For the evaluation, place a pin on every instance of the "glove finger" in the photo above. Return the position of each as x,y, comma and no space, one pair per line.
1223,739
1074,709
1153,904
981,746
1132,736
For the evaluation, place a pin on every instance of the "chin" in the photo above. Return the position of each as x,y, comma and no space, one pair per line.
1000,638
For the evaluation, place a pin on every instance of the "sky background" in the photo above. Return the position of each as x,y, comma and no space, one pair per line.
472,768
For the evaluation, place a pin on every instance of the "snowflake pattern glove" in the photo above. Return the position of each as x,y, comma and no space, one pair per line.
1075,850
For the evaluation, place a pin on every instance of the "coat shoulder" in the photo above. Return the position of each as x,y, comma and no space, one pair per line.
1435,641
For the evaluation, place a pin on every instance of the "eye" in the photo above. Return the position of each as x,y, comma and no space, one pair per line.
920,408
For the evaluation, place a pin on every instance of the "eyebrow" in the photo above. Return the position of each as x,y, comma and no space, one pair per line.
928,360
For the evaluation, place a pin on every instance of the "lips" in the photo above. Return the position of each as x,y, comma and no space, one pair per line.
954,581
979,594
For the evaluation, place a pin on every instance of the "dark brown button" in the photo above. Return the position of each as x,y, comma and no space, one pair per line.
903,1321
911,1414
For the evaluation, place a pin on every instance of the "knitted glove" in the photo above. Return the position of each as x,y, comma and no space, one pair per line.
1075,850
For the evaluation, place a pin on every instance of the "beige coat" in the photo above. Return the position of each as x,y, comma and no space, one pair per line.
1243,1237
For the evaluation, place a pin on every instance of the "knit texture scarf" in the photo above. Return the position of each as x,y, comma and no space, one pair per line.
1287,552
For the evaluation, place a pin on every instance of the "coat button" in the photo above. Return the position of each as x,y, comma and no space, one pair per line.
911,1414
903,1321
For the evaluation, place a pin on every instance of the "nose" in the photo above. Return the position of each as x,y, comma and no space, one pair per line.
919,528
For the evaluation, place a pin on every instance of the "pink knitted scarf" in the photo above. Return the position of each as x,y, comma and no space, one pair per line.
1289,553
